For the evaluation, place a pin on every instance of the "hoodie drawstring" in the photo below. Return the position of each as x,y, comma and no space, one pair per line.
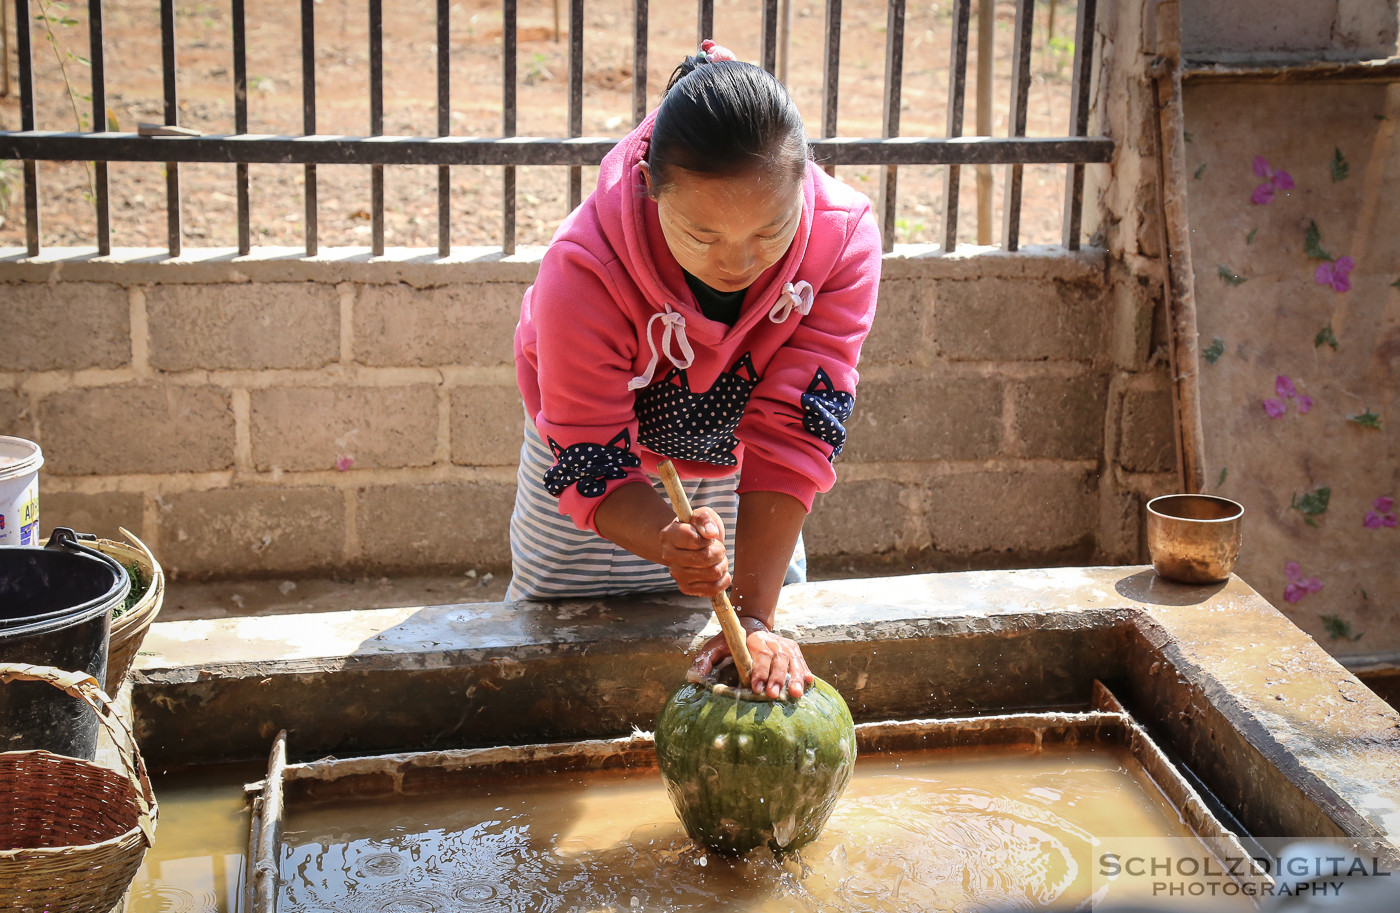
673,327
794,297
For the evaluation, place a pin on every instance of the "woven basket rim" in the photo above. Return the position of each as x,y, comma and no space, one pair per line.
147,607
130,836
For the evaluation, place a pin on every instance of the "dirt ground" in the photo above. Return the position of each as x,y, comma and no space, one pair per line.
205,83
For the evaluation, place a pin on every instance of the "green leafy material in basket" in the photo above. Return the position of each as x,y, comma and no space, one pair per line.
139,585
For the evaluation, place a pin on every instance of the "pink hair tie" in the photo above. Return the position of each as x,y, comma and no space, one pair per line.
714,51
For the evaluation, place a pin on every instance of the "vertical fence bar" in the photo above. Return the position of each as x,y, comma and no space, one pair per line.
1079,118
768,42
99,125
957,96
308,112
894,82
172,118
784,38
4,50
705,23
444,125
509,19
831,72
26,119
575,95
986,59
1020,93
376,123
240,123
640,18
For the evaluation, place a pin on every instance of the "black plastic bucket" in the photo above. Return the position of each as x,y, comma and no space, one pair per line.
56,608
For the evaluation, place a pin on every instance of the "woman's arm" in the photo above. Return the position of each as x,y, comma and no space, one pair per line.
637,518
768,526
769,523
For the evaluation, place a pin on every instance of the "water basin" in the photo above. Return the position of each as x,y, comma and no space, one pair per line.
1004,827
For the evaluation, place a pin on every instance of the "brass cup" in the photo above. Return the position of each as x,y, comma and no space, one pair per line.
1193,538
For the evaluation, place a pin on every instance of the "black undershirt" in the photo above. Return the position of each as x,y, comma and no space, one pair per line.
714,304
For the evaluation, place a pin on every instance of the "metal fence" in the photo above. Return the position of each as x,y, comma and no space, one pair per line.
168,144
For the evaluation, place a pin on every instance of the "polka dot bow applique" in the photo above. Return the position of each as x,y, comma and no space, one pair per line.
677,423
590,466
825,410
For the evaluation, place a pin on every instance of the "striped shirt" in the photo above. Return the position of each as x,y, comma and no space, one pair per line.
551,558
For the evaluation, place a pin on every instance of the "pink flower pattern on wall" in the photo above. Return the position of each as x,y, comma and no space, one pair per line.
1381,514
1336,274
1274,181
1298,585
1286,390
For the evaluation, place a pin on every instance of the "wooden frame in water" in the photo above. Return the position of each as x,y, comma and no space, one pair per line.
500,776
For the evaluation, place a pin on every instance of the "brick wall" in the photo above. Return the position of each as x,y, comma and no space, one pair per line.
283,417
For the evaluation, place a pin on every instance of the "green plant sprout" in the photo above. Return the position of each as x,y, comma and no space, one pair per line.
909,229
60,18
8,176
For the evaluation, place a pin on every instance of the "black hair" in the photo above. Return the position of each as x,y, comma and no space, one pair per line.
722,118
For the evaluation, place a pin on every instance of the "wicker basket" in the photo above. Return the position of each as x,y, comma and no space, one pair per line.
129,630
78,831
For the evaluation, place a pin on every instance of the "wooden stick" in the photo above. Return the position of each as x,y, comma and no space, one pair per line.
728,621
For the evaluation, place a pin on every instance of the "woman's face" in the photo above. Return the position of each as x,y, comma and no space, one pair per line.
725,231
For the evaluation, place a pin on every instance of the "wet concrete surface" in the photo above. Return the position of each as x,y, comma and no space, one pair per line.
185,600
1289,740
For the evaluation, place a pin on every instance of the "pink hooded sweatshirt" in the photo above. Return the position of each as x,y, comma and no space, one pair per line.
619,368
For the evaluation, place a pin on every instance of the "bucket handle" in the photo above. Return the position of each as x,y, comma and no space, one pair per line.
85,688
64,539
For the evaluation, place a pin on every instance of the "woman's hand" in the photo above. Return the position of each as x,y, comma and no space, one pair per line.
694,553
777,660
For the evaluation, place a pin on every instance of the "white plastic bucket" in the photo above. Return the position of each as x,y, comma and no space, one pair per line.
19,491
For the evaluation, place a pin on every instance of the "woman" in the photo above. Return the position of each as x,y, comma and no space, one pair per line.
706,304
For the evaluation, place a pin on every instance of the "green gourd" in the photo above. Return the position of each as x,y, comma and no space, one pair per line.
743,771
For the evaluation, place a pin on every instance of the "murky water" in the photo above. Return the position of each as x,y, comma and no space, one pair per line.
197,863
997,829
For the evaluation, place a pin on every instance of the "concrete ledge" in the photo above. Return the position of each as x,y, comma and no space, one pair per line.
141,265
422,267
1285,737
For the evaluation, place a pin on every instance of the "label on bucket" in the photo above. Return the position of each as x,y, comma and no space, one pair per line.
21,526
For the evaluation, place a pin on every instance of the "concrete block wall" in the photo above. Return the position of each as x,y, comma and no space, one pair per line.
277,416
